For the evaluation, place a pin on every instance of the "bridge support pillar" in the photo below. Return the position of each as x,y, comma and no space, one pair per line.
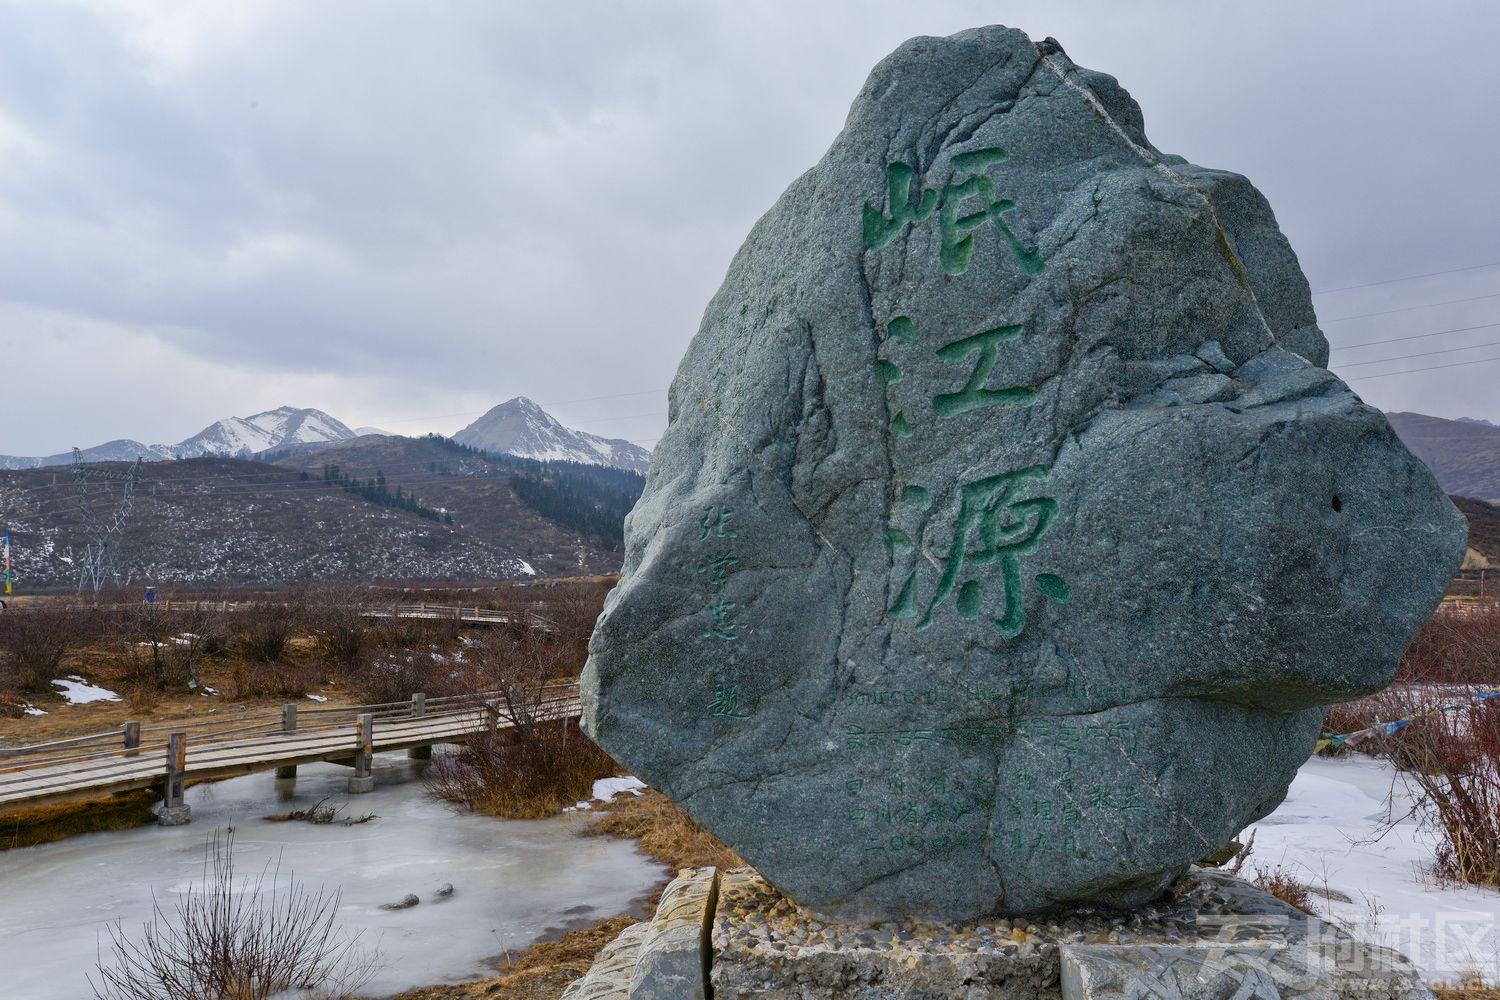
130,736
419,710
363,780
174,810
288,725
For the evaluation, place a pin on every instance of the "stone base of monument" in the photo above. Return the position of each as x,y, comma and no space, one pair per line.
730,935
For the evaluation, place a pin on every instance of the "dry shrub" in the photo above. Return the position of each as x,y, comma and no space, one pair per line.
397,675
251,681
266,630
234,940
1473,987
532,774
1452,760
574,608
540,763
408,633
341,632
664,831
164,649
1285,888
32,643
1455,649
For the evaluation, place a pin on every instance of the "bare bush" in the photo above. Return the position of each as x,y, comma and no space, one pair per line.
541,762
344,636
266,631
574,609
234,940
249,681
1450,758
1449,755
33,641
1455,649
166,648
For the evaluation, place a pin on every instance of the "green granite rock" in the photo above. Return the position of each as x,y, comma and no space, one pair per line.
1008,531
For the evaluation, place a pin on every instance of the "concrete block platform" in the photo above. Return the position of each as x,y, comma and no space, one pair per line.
732,936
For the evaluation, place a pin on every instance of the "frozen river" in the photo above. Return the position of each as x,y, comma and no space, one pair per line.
514,881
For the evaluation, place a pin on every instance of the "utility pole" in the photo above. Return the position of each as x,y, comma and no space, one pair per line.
99,554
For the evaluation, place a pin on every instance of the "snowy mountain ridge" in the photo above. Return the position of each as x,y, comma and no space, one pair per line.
518,427
521,428
283,427
232,437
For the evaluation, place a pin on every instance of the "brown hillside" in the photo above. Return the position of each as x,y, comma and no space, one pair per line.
475,490
1464,457
1484,527
227,522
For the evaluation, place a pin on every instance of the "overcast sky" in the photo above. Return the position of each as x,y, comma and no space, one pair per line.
405,213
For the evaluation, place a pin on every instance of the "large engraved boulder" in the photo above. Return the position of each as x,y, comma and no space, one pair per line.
1009,529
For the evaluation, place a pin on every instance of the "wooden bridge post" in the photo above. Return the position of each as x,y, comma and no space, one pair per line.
174,811
130,735
363,780
419,710
491,721
288,725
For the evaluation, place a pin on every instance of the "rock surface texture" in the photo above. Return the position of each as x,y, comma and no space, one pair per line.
1009,529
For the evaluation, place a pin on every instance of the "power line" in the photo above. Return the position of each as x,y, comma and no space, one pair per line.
1429,305
1409,277
1423,354
1432,368
1415,336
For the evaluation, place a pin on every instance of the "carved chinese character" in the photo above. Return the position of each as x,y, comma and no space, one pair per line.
974,395
727,702
719,565
715,521
993,528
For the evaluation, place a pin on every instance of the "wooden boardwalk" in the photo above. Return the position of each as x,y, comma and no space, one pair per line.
430,612
133,757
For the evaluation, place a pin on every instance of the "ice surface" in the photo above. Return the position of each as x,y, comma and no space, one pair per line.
513,880
1324,835
81,692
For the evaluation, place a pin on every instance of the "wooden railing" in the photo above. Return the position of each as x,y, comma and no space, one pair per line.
137,755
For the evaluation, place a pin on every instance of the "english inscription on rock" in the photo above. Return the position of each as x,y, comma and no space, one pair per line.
1009,531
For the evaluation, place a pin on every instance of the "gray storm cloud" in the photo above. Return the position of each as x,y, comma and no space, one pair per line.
404,214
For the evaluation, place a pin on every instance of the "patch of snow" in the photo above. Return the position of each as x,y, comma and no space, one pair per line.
30,709
526,567
316,697
80,692
605,789
1331,832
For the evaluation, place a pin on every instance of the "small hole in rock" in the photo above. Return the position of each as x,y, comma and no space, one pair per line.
1337,503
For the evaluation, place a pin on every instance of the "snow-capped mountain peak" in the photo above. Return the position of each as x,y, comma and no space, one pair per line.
283,427
522,428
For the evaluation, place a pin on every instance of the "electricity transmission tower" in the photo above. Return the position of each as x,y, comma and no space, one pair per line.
101,530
